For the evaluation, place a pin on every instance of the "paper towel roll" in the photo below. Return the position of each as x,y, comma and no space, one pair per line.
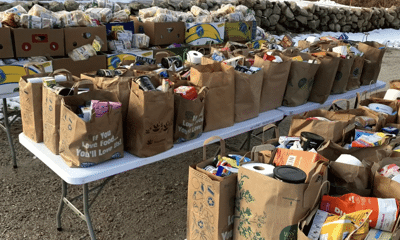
194,57
348,159
262,168
392,94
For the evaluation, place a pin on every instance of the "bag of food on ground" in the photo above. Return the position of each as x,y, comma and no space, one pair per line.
301,77
211,196
219,78
189,112
274,214
387,178
324,79
327,124
275,79
91,128
150,119
378,105
373,53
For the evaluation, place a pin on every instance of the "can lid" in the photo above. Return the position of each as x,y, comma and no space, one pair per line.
290,174
312,136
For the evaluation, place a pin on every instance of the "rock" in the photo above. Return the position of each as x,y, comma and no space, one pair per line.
357,12
335,10
261,6
381,22
342,22
273,19
333,18
282,19
137,5
71,5
258,20
312,24
265,22
276,9
332,27
317,8
360,23
346,28
293,6
393,13
267,12
337,27
269,4
389,17
324,28
354,26
396,23
339,16
354,18
302,19
259,13
56,6
315,17
348,18
210,4
280,29
288,13
5,7
317,22
204,6
311,8
324,20
303,12
294,24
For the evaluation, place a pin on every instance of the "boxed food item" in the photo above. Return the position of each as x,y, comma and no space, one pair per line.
204,33
119,26
161,33
240,31
6,44
78,36
38,42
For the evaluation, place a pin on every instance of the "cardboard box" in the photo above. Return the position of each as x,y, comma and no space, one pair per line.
180,51
204,33
161,33
240,31
38,42
113,60
118,26
6,44
296,158
78,36
11,74
77,67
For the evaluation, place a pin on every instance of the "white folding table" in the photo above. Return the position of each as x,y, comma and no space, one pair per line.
7,124
106,170
289,111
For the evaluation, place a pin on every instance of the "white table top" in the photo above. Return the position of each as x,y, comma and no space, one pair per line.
16,94
288,111
78,176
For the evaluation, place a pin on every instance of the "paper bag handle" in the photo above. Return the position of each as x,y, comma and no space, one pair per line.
314,179
259,148
37,64
335,107
63,71
359,98
207,141
266,128
78,83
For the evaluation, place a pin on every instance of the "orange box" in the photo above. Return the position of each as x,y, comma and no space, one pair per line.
296,158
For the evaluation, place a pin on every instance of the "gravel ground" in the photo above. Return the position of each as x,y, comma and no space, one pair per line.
145,203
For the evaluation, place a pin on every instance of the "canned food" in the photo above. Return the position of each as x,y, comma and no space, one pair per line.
310,141
63,91
145,83
290,174
108,72
167,62
145,59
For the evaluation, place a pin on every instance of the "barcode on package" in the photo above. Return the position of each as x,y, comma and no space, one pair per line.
291,160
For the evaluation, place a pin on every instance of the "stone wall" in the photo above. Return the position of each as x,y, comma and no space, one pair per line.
273,16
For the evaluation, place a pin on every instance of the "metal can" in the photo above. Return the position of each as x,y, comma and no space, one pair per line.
167,62
108,72
63,91
145,60
145,83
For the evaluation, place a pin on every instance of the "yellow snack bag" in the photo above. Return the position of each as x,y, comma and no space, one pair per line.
352,226
297,58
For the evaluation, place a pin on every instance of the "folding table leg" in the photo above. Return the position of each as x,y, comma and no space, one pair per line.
5,113
86,211
61,207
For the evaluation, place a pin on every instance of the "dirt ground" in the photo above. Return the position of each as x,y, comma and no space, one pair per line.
146,203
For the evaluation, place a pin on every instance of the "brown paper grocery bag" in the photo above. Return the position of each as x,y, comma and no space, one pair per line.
247,95
301,79
84,144
149,123
328,130
52,108
211,201
373,61
345,178
355,73
121,85
30,95
325,77
275,79
385,187
332,151
378,98
189,116
219,109
342,76
269,209
363,111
